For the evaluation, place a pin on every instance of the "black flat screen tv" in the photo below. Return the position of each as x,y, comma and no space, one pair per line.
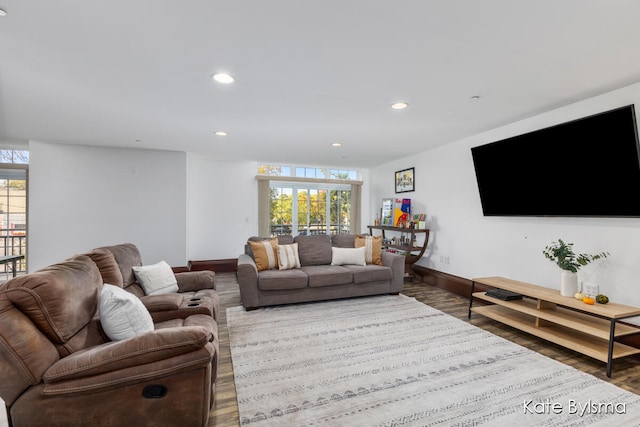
588,167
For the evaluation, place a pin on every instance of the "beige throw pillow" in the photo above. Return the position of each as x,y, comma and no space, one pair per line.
156,279
373,248
265,254
347,256
288,257
122,314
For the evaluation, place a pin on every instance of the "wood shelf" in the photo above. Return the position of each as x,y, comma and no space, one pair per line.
543,312
584,343
577,321
410,250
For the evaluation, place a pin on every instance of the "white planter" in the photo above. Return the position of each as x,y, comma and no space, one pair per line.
568,283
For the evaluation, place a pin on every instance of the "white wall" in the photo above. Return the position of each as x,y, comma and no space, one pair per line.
81,197
479,246
223,207
172,205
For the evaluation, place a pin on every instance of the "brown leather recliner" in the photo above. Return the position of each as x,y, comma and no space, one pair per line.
58,368
197,292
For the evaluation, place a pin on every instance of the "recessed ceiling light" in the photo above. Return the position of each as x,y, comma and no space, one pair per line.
3,12
221,133
336,144
399,105
223,78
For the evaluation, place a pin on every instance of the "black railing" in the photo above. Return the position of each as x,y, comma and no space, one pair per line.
12,245
310,230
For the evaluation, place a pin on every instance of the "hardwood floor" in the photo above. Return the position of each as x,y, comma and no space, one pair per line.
626,372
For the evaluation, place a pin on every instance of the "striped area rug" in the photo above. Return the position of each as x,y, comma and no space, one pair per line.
392,360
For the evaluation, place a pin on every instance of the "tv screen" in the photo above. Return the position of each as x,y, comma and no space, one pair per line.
587,167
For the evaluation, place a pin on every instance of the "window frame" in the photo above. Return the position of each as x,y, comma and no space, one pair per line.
264,188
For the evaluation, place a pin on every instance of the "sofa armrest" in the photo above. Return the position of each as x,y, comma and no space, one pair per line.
396,262
139,351
162,302
192,281
248,281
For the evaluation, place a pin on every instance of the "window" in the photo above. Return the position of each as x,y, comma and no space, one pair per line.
308,172
312,201
13,211
14,156
308,209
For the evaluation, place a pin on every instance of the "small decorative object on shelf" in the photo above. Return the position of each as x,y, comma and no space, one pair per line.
562,254
405,244
401,212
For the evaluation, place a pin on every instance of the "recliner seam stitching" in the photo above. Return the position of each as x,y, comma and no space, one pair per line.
121,357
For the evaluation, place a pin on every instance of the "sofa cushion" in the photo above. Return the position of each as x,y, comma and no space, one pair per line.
373,248
285,239
182,305
370,273
314,250
327,275
288,256
122,314
159,345
343,240
109,269
156,279
127,256
265,254
270,280
191,281
344,256
60,299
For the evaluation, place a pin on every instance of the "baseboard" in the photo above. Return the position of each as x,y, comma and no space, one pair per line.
218,265
448,282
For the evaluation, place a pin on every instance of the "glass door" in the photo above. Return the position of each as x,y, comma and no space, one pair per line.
13,218
309,209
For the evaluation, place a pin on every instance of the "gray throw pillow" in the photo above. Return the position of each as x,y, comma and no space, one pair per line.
314,250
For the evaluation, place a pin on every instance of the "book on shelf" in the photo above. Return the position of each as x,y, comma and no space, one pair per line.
401,212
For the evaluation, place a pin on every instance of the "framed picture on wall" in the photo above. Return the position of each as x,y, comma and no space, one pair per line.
405,180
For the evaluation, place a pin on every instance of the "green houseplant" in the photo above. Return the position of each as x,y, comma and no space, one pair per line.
562,254
569,262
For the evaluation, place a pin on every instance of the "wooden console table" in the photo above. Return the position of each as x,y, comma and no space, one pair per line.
588,329
409,247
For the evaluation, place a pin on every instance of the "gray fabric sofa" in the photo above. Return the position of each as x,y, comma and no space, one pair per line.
316,279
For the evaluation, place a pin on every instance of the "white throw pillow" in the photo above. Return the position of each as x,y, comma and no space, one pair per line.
122,314
288,256
156,279
351,256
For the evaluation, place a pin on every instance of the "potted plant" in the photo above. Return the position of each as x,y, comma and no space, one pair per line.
562,254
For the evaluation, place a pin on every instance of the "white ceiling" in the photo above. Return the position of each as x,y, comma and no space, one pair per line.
308,73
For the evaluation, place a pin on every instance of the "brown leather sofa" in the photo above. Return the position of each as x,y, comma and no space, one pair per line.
59,368
197,291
